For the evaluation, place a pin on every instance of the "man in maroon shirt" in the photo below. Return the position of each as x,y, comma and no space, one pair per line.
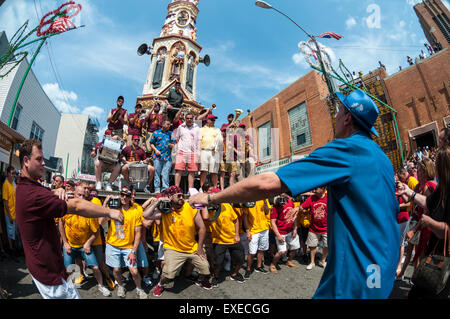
318,229
135,124
134,154
36,208
117,118
154,122
102,166
283,219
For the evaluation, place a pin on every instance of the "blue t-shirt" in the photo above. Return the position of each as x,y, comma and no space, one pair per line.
161,141
363,235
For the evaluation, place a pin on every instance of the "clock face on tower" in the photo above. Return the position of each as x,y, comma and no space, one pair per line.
182,18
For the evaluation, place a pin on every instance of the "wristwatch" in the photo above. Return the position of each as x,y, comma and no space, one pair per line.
413,195
209,199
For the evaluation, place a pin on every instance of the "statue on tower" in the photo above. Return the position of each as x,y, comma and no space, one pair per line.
159,68
177,62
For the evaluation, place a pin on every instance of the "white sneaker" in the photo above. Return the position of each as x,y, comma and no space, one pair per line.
121,291
105,291
108,187
321,264
98,186
147,281
141,293
310,266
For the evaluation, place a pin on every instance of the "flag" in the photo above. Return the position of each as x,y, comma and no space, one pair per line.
330,35
62,24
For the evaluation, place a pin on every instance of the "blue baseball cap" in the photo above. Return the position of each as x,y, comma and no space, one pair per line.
363,109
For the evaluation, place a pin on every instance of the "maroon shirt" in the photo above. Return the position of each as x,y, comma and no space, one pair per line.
285,217
154,122
136,127
117,125
132,154
36,209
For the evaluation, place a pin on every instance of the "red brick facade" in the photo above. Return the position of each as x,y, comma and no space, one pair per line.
420,94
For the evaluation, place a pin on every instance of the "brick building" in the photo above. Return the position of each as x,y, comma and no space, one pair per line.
299,119
295,121
421,96
434,18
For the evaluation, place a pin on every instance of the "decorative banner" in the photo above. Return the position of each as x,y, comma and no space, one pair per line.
309,50
60,20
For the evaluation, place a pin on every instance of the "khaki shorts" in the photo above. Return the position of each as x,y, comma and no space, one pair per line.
174,260
228,167
313,239
108,167
209,162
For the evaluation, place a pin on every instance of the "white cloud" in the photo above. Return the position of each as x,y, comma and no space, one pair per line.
61,98
413,2
350,22
446,4
94,111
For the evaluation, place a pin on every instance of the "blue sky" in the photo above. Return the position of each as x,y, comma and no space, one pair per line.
254,52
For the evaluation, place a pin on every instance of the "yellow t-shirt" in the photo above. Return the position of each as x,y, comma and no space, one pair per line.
223,228
132,219
209,135
98,239
178,229
156,232
257,218
239,214
78,229
412,183
9,195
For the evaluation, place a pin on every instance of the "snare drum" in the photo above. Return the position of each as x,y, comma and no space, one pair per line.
138,172
110,150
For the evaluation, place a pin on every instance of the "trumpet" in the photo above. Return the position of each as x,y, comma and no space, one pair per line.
213,107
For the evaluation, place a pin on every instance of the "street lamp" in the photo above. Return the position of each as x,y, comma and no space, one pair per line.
265,5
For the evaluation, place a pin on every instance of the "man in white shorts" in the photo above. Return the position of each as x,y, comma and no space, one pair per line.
284,225
317,203
257,230
210,155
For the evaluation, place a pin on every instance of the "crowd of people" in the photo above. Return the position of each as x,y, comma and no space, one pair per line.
166,137
265,219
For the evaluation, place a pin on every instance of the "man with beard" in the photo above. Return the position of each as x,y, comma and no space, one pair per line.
135,125
178,230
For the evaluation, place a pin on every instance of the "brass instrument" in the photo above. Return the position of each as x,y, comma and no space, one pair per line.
116,115
213,107
238,113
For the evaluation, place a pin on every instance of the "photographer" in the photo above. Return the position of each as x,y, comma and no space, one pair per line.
178,229
284,225
122,242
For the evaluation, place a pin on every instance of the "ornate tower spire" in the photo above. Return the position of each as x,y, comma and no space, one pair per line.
175,53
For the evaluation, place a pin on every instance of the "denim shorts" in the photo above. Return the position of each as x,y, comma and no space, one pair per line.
117,257
142,260
90,259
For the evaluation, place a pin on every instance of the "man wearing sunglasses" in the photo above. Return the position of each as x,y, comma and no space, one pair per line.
122,243
363,234
178,229
210,155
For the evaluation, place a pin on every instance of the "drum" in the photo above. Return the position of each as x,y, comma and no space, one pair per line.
110,150
138,174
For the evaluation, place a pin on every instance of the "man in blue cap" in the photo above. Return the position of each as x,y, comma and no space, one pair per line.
362,208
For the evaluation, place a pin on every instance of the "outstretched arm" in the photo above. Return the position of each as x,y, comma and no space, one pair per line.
251,189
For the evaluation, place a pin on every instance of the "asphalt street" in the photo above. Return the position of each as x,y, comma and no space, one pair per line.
288,283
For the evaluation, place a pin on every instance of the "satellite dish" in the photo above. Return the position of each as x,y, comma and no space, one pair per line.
144,49
206,60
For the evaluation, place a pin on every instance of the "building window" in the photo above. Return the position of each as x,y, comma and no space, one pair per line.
299,123
36,132
264,141
15,121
